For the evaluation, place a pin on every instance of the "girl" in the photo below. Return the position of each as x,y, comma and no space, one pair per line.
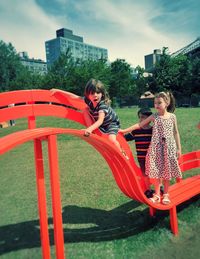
97,100
165,147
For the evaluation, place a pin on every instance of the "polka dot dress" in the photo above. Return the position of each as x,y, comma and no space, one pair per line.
161,159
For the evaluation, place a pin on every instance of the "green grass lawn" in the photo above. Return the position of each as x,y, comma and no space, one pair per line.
99,221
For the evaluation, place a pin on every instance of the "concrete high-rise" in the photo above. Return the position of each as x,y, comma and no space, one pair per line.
151,59
66,40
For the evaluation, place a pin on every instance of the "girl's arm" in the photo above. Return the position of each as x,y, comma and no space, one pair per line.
138,125
65,93
95,125
177,139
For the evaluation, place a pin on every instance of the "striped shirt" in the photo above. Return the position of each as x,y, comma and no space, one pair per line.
111,123
142,139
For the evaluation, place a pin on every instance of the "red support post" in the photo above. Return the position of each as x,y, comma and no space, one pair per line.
44,234
173,220
56,198
152,211
31,122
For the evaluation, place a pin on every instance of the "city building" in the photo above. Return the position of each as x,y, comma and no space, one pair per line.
191,50
151,59
37,66
65,40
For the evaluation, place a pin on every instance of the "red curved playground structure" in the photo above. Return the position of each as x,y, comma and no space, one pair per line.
31,104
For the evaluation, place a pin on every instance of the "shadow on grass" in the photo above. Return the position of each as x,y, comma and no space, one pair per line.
85,224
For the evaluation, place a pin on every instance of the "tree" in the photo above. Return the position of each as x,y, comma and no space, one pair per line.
121,82
60,73
87,69
171,73
71,75
10,66
141,81
194,80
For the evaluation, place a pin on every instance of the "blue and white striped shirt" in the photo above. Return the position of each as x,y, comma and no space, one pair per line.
111,123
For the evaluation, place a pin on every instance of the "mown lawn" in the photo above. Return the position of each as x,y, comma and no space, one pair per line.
99,221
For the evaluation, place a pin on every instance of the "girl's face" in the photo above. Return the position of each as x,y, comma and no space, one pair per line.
95,98
160,104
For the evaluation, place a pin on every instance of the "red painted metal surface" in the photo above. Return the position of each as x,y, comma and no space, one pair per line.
42,207
33,103
56,198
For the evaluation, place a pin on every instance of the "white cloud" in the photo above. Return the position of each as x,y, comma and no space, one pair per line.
26,26
125,27
129,33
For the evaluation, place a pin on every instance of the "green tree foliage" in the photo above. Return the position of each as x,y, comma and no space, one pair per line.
178,74
86,69
194,79
121,81
72,76
13,75
60,73
10,65
141,81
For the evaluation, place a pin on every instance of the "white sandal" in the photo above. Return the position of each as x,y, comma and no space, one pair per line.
155,198
166,199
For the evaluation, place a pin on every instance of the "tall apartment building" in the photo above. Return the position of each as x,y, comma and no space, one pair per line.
34,65
151,59
65,39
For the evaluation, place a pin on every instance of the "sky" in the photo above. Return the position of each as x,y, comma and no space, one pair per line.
128,29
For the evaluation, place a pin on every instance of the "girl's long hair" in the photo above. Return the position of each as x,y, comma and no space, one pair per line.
96,86
169,99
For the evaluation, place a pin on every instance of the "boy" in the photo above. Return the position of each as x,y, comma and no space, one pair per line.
142,139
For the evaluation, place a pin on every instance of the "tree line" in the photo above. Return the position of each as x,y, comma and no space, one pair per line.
180,74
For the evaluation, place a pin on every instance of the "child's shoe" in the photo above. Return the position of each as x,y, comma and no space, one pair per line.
166,199
155,198
148,193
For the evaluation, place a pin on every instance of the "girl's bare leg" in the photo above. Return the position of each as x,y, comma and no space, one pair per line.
166,186
113,139
157,186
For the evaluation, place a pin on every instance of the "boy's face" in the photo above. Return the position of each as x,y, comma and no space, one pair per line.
142,117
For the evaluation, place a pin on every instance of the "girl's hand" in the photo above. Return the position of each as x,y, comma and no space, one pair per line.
53,91
87,132
179,154
121,131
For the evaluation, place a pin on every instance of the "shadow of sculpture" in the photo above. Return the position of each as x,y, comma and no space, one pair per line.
85,224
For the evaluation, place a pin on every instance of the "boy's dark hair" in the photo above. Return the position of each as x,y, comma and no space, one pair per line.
145,111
